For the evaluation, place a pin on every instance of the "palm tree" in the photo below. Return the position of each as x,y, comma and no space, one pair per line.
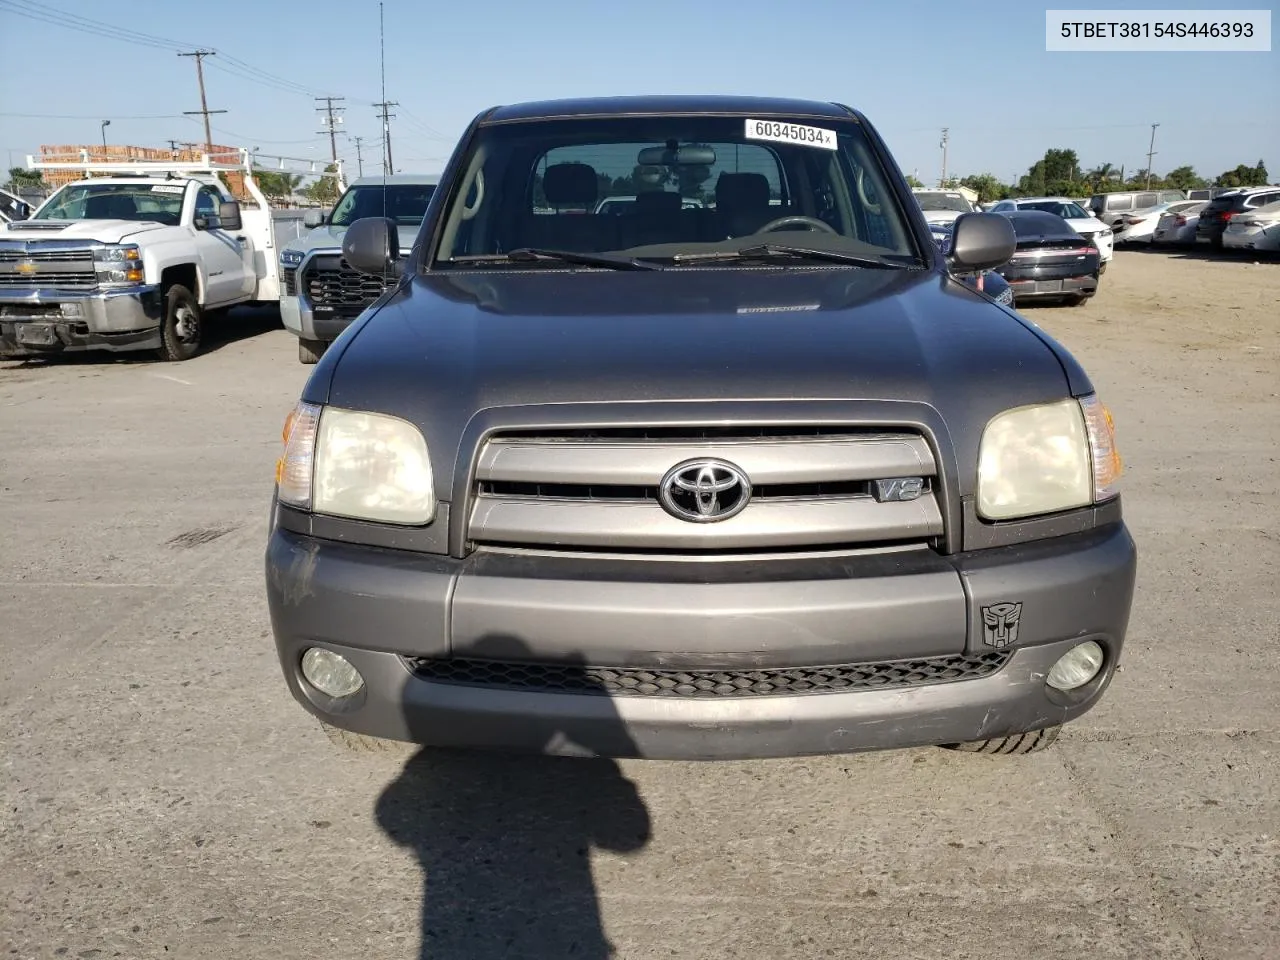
1101,174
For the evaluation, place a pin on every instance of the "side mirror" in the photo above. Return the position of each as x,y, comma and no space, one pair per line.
981,241
314,218
229,215
372,245
21,211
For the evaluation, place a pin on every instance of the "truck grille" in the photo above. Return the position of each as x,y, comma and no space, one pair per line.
37,269
703,684
336,288
600,490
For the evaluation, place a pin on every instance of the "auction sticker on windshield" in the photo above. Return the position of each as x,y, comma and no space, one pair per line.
163,188
780,132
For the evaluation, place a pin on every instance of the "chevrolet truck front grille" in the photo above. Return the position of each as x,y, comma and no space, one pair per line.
35,269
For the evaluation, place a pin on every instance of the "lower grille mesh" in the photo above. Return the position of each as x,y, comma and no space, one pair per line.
779,681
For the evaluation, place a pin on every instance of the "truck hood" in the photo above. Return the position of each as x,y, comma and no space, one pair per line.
103,231
448,346
330,238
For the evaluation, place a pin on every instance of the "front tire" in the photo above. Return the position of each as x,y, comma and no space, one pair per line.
310,351
1032,742
183,320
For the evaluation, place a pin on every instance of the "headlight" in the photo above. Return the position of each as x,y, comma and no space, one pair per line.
348,463
1047,458
117,253
118,263
290,258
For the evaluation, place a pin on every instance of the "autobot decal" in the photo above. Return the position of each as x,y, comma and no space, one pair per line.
1000,624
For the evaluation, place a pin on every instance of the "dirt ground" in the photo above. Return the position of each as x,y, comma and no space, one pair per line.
161,795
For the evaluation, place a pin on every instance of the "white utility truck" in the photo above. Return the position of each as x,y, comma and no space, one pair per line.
135,257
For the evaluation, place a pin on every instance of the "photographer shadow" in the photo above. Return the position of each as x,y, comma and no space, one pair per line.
504,840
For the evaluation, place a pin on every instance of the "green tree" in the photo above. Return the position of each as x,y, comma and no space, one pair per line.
1184,178
324,190
987,186
22,178
912,181
1061,166
688,178
277,186
1138,181
1244,176
1056,173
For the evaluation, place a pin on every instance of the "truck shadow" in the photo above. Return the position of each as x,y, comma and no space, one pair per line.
504,842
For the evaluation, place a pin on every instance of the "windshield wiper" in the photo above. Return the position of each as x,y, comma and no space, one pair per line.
764,250
532,254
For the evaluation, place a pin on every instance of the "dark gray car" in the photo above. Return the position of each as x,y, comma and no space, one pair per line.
758,477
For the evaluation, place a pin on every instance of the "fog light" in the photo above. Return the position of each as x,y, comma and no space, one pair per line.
331,673
1076,667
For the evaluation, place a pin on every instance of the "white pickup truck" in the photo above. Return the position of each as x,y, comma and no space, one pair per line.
134,258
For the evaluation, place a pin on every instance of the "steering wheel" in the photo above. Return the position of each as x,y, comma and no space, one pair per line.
813,222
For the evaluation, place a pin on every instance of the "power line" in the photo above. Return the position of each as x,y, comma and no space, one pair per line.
229,65
331,122
204,105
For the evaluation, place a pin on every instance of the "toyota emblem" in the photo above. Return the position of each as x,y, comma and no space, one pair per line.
704,491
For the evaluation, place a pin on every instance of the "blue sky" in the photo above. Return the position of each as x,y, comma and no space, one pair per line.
979,69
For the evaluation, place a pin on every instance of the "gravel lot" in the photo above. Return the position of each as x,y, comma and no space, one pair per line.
164,797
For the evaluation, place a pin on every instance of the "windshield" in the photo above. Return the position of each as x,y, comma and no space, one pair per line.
701,185
155,202
943,201
1067,211
406,204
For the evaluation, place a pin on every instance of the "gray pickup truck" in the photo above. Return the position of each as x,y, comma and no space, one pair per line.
320,293
754,477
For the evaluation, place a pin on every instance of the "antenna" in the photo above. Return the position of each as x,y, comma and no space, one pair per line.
386,127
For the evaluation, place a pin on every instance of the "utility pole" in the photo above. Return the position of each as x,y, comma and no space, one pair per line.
204,105
943,145
387,165
330,121
359,155
1151,152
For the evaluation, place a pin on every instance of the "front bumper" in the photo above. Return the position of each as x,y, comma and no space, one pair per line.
389,612
300,319
41,322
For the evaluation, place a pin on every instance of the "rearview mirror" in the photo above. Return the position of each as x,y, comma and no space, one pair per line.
229,215
981,241
372,245
681,156
314,218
